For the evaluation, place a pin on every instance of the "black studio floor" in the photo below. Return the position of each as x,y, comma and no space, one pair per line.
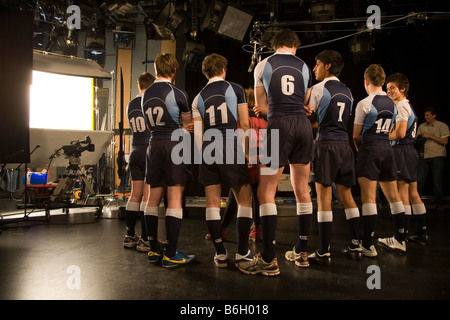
39,260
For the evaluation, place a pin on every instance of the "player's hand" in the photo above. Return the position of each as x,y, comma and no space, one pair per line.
308,109
190,127
257,110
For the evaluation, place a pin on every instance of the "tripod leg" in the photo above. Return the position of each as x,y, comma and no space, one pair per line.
58,189
88,185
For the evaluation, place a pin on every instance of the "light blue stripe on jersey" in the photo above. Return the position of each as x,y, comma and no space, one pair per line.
201,106
370,118
172,107
230,99
305,73
267,76
323,105
411,120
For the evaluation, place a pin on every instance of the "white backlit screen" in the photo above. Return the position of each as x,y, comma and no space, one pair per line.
61,102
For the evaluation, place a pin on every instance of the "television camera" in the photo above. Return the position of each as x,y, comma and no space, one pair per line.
73,179
76,147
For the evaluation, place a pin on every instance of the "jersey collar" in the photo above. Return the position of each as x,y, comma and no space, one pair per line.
331,78
215,79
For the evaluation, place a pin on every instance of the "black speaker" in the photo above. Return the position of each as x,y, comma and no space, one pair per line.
16,65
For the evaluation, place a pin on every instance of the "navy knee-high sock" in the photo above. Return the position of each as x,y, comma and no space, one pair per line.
151,223
243,224
173,227
130,222
215,229
304,218
369,225
268,218
353,218
131,216
268,228
369,221
419,212
143,226
324,219
398,217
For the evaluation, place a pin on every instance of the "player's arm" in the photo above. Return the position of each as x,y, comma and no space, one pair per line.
244,124
308,107
357,130
197,122
186,121
443,141
399,131
361,111
261,105
198,127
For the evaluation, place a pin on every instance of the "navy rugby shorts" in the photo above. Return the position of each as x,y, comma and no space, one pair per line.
160,169
334,162
376,161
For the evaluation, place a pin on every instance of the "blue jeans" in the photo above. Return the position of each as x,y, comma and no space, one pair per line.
436,165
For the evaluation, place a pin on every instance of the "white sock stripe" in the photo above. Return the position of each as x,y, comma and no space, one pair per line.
304,208
324,216
142,206
397,207
132,206
268,209
245,212
176,213
418,209
408,210
351,213
151,211
212,214
369,209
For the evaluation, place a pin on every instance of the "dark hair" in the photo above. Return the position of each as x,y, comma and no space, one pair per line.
213,65
400,80
431,110
285,38
333,58
375,74
145,80
166,65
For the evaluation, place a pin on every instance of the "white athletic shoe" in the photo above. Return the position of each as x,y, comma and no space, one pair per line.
220,260
393,244
371,252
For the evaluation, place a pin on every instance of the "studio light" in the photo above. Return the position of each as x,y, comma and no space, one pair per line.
235,22
61,102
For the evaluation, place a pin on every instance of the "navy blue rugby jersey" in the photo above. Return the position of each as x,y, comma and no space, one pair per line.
285,78
376,113
217,104
140,134
333,101
405,112
162,104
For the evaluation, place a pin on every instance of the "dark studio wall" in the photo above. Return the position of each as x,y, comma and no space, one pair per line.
16,63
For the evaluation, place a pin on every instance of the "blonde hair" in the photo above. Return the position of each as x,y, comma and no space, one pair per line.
375,75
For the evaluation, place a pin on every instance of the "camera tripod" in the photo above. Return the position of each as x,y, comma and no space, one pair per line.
67,182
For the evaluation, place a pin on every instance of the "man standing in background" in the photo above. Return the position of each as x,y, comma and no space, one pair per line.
436,133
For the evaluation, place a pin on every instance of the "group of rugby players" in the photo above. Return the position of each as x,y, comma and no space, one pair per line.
383,135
